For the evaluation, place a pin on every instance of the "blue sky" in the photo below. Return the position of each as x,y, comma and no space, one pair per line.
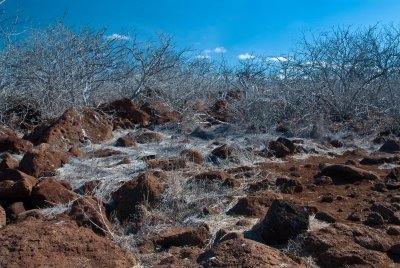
232,28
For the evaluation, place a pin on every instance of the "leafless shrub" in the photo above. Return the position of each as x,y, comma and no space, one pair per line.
59,68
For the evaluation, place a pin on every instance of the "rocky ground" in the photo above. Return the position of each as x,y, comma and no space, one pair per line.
130,185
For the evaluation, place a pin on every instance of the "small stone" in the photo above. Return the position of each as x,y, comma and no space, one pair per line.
354,217
393,230
374,219
323,216
323,180
379,187
327,198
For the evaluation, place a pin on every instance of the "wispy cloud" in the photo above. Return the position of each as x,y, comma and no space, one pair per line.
220,50
278,59
202,57
116,36
246,56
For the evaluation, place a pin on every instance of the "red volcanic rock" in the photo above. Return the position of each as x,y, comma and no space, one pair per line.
49,192
182,236
91,213
72,128
62,244
347,174
254,205
14,145
146,189
241,252
160,113
42,163
341,245
125,109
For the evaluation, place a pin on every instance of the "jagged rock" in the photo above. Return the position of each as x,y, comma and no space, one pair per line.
14,145
254,205
72,128
18,190
50,192
340,245
43,163
283,221
15,175
390,146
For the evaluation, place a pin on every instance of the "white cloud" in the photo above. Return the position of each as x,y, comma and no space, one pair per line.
278,59
246,56
116,36
202,57
220,50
